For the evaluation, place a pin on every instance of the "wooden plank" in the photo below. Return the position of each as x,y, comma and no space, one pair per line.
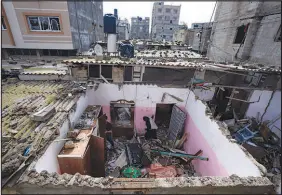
97,148
102,125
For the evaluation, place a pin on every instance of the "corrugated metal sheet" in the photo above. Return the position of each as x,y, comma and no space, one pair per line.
182,64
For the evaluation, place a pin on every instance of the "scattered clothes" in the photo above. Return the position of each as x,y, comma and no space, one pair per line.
159,171
131,172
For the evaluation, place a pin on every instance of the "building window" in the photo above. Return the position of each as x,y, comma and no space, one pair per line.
44,23
175,11
241,34
170,21
167,10
174,18
4,27
167,18
160,17
160,3
278,35
160,10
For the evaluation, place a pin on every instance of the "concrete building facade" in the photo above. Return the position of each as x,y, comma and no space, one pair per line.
140,28
123,29
165,20
48,27
200,25
247,31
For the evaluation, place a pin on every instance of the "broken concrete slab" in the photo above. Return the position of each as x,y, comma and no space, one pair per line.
43,114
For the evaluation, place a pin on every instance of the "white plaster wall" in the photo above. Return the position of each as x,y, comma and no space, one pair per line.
205,95
230,155
143,95
48,161
272,111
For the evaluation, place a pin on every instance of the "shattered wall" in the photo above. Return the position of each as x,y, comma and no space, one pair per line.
48,161
205,133
269,107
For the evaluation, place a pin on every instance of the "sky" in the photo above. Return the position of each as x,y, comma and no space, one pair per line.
191,11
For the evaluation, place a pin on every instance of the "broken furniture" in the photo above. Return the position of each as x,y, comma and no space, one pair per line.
122,115
134,154
77,159
244,134
176,124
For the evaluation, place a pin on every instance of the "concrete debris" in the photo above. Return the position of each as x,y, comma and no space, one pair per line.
69,145
44,114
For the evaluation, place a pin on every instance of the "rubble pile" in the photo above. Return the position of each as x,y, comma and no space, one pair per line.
150,164
257,138
22,136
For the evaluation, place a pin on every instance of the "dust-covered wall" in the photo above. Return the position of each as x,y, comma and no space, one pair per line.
86,19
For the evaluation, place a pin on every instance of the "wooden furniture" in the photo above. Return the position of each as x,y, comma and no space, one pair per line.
77,160
119,127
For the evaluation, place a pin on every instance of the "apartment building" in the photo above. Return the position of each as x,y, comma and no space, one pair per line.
140,27
249,30
123,29
165,20
50,27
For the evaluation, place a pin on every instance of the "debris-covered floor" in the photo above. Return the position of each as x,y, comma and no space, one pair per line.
142,162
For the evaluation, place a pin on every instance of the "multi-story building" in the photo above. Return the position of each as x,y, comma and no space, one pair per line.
165,19
140,28
123,29
249,30
50,27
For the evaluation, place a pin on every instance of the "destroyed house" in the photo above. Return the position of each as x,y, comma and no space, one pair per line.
55,139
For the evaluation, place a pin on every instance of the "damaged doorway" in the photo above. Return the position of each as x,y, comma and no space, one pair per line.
163,115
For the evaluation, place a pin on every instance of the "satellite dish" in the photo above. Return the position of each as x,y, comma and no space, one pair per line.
98,50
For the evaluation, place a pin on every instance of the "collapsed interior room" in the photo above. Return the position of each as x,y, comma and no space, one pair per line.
189,144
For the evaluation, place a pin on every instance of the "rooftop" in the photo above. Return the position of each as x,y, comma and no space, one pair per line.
23,137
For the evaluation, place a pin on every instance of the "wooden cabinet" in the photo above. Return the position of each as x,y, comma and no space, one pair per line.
78,159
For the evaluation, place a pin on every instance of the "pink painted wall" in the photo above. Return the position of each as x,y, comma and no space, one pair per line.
107,111
196,142
139,113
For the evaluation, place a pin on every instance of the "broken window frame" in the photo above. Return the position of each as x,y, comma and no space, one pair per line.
240,40
3,24
278,35
167,10
40,20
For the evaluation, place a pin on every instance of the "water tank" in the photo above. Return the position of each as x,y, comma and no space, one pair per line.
109,24
116,13
126,50
111,43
